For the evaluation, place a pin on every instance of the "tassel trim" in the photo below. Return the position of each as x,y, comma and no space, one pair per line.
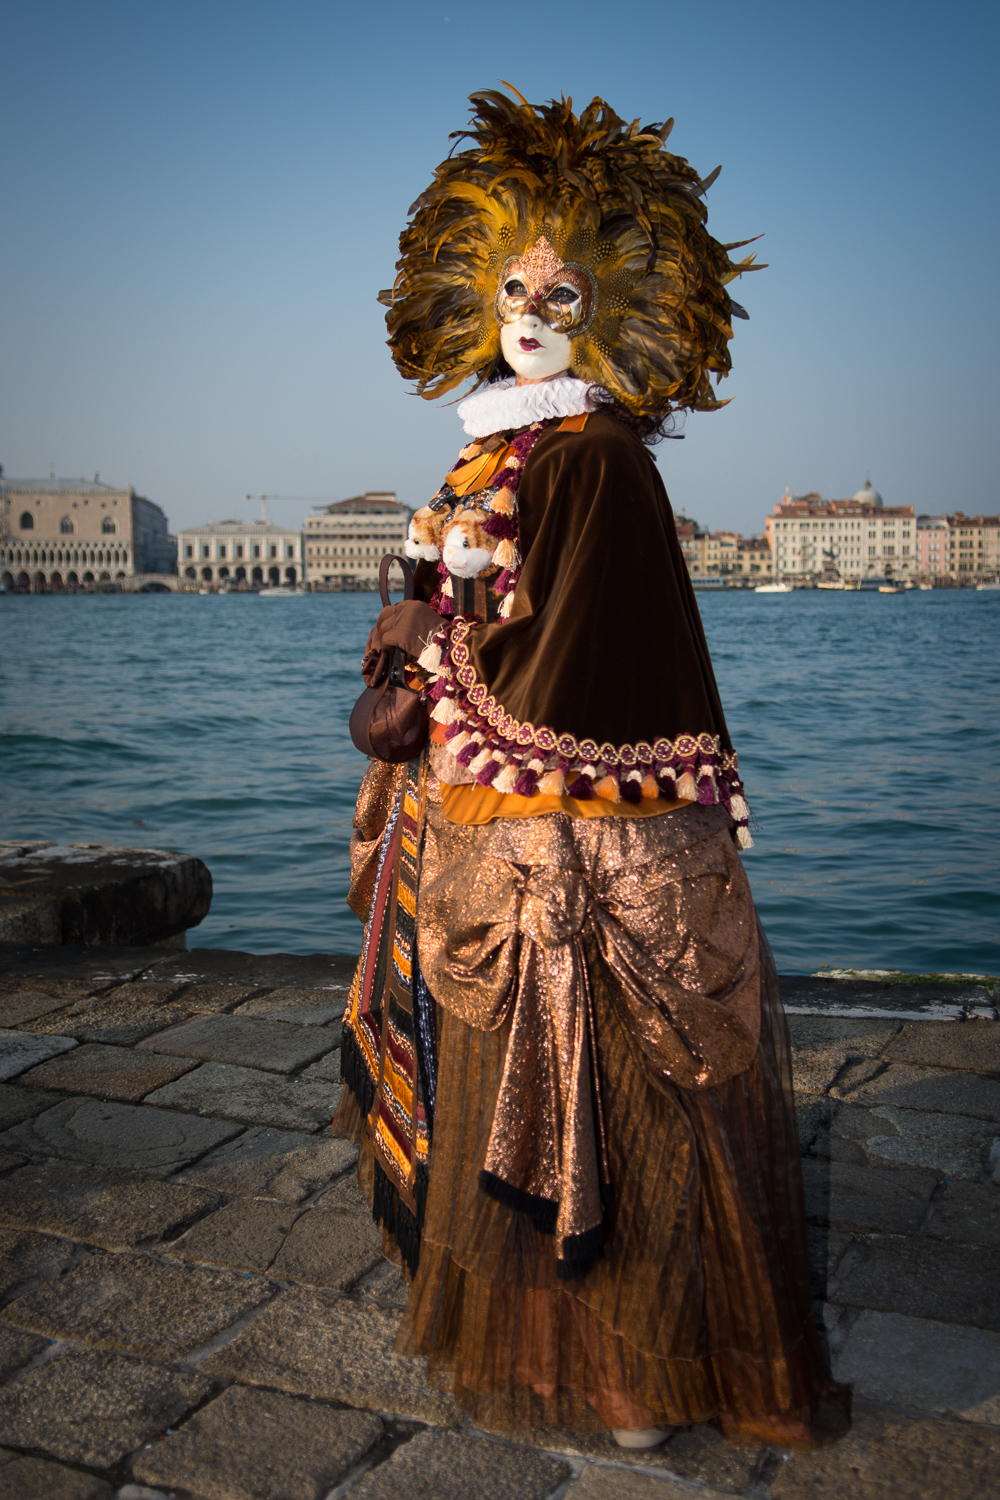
534,760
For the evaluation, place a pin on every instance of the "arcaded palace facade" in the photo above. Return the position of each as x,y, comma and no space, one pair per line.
64,533
240,552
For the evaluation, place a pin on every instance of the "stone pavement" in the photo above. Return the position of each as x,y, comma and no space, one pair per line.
194,1302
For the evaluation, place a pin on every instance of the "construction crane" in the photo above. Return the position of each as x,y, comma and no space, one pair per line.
315,500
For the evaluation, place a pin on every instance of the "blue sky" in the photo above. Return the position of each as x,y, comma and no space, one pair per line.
201,200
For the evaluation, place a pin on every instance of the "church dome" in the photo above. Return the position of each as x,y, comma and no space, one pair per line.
868,495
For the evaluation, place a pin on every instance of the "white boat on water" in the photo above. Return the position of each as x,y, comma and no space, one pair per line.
773,588
987,588
282,591
891,588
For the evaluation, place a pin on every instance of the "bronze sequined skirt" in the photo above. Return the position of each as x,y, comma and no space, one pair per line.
697,1308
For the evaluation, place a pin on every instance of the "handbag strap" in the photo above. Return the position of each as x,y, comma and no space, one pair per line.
383,577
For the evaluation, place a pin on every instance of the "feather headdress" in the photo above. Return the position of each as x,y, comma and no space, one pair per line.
610,200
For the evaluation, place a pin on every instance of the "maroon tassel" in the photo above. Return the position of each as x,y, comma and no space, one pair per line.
667,783
501,527
631,791
454,728
489,771
582,789
437,690
706,792
526,784
504,583
468,753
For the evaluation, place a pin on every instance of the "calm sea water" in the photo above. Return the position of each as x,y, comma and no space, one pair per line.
868,728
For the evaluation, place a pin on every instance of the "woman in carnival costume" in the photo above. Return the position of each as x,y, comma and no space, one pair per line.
566,1059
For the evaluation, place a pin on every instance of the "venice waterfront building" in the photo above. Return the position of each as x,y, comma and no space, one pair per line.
240,552
68,533
812,538
346,541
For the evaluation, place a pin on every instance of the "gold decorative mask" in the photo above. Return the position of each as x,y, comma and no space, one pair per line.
562,293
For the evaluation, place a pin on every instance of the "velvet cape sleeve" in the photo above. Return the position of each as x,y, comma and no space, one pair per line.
605,641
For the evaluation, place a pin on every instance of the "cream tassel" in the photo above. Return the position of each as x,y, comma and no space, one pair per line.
687,790
553,784
650,788
607,788
431,656
503,502
743,839
507,605
738,808
504,782
445,711
446,588
458,744
480,761
506,554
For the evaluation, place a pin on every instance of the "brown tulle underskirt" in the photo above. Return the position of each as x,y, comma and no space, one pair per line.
698,1309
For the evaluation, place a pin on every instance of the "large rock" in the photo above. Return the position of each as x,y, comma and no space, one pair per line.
98,893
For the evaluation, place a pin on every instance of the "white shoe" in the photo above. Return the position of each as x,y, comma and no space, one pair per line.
640,1437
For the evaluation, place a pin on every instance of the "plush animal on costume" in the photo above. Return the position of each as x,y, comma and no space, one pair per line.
467,550
425,532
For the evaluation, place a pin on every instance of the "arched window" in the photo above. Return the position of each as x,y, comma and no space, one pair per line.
27,521
108,526
66,526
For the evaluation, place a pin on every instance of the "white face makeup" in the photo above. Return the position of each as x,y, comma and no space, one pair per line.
533,350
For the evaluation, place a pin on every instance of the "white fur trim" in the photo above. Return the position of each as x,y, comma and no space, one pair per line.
417,550
504,405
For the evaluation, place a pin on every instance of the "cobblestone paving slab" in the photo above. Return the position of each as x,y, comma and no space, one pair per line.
246,1235
27,1005
947,1283
214,999
139,1305
26,1478
251,1097
975,1046
64,990
269,1163
290,1003
385,1284
331,1250
966,1212
17,1104
146,992
952,1145
813,1115
247,1041
822,1045
108,1072
92,1408
132,1137
72,963
9,1160
599,1483
695,1454
346,1196
19,1052
891,1457
108,1019
328,1067
938,1089
256,1445
447,1466
26,1257
826,1250
863,1198
932,1367
316,1345
114,1210
17,1349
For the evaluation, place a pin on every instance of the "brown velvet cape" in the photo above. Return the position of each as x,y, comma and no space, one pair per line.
605,640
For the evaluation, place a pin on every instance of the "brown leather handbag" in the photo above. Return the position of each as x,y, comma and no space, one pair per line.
389,721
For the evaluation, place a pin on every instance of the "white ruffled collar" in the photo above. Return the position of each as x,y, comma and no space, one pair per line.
504,405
